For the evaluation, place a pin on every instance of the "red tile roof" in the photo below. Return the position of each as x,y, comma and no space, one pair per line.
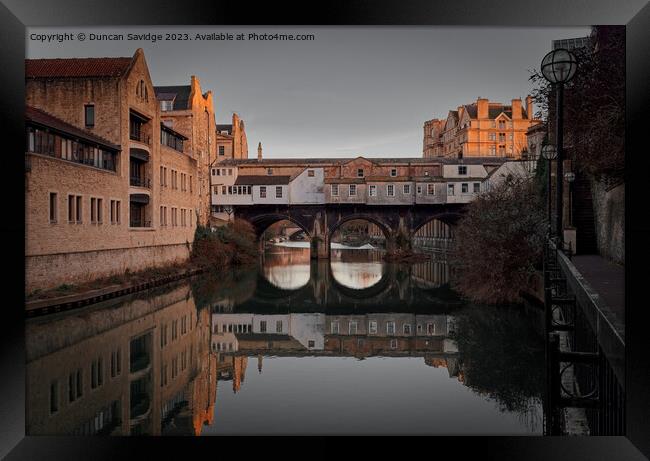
39,117
76,67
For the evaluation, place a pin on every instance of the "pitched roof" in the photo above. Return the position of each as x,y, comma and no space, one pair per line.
261,180
39,117
181,92
227,128
76,67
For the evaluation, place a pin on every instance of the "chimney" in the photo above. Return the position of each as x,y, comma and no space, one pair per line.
529,107
482,108
259,151
516,109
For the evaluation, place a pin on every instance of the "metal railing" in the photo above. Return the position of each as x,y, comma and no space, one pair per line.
583,353
140,136
137,181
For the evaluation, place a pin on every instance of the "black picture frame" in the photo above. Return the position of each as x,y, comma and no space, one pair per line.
15,15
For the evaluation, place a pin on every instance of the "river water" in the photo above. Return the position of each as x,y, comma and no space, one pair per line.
349,346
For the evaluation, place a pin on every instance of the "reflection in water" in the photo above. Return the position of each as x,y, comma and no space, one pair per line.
357,268
286,268
399,354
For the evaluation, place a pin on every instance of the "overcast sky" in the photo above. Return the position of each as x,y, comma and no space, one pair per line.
352,91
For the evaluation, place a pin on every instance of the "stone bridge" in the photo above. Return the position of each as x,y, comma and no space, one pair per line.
398,223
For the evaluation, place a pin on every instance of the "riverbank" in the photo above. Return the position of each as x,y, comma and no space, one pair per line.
66,297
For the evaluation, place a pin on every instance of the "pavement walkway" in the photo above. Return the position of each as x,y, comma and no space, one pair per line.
607,278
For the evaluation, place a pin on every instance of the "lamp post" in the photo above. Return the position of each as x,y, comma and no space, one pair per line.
570,176
549,153
558,67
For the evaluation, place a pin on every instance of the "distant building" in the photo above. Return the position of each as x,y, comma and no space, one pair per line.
481,129
572,43
231,140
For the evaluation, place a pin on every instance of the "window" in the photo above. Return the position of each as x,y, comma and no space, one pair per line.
278,326
116,362
372,327
222,150
53,207
311,343
335,190
419,328
54,396
393,172
93,206
96,373
464,188
407,189
393,344
334,328
100,209
502,124
79,210
450,189
190,183
174,327
477,187
372,191
462,169
407,329
352,191
89,115
269,171
353,326
166,105
263,326
310,173
360,173
502,137
430,329
262,191
390,328
278,191
390,190
493,150
431,189
229,171
492,136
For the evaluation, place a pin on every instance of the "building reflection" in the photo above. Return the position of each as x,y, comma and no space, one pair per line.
142,366
361,336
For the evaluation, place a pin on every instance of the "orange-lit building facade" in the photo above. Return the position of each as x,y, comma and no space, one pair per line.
481,129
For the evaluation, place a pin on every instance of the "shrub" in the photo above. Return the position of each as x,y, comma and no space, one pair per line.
232,244
499,242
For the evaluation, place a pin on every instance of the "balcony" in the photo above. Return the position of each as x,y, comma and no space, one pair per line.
140,136
138,181
139,362
140,406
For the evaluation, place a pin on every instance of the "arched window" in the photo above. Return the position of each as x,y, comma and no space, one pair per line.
146,94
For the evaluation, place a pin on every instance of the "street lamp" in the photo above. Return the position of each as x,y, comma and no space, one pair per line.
549,153
558,67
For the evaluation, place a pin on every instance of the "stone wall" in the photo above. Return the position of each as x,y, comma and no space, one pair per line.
51,270
609,214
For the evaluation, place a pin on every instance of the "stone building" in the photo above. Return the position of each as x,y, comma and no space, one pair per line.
187,109
480,129
231,140
109,186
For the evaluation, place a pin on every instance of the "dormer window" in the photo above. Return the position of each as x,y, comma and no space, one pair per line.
166,105
393,172
269,171
462,169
